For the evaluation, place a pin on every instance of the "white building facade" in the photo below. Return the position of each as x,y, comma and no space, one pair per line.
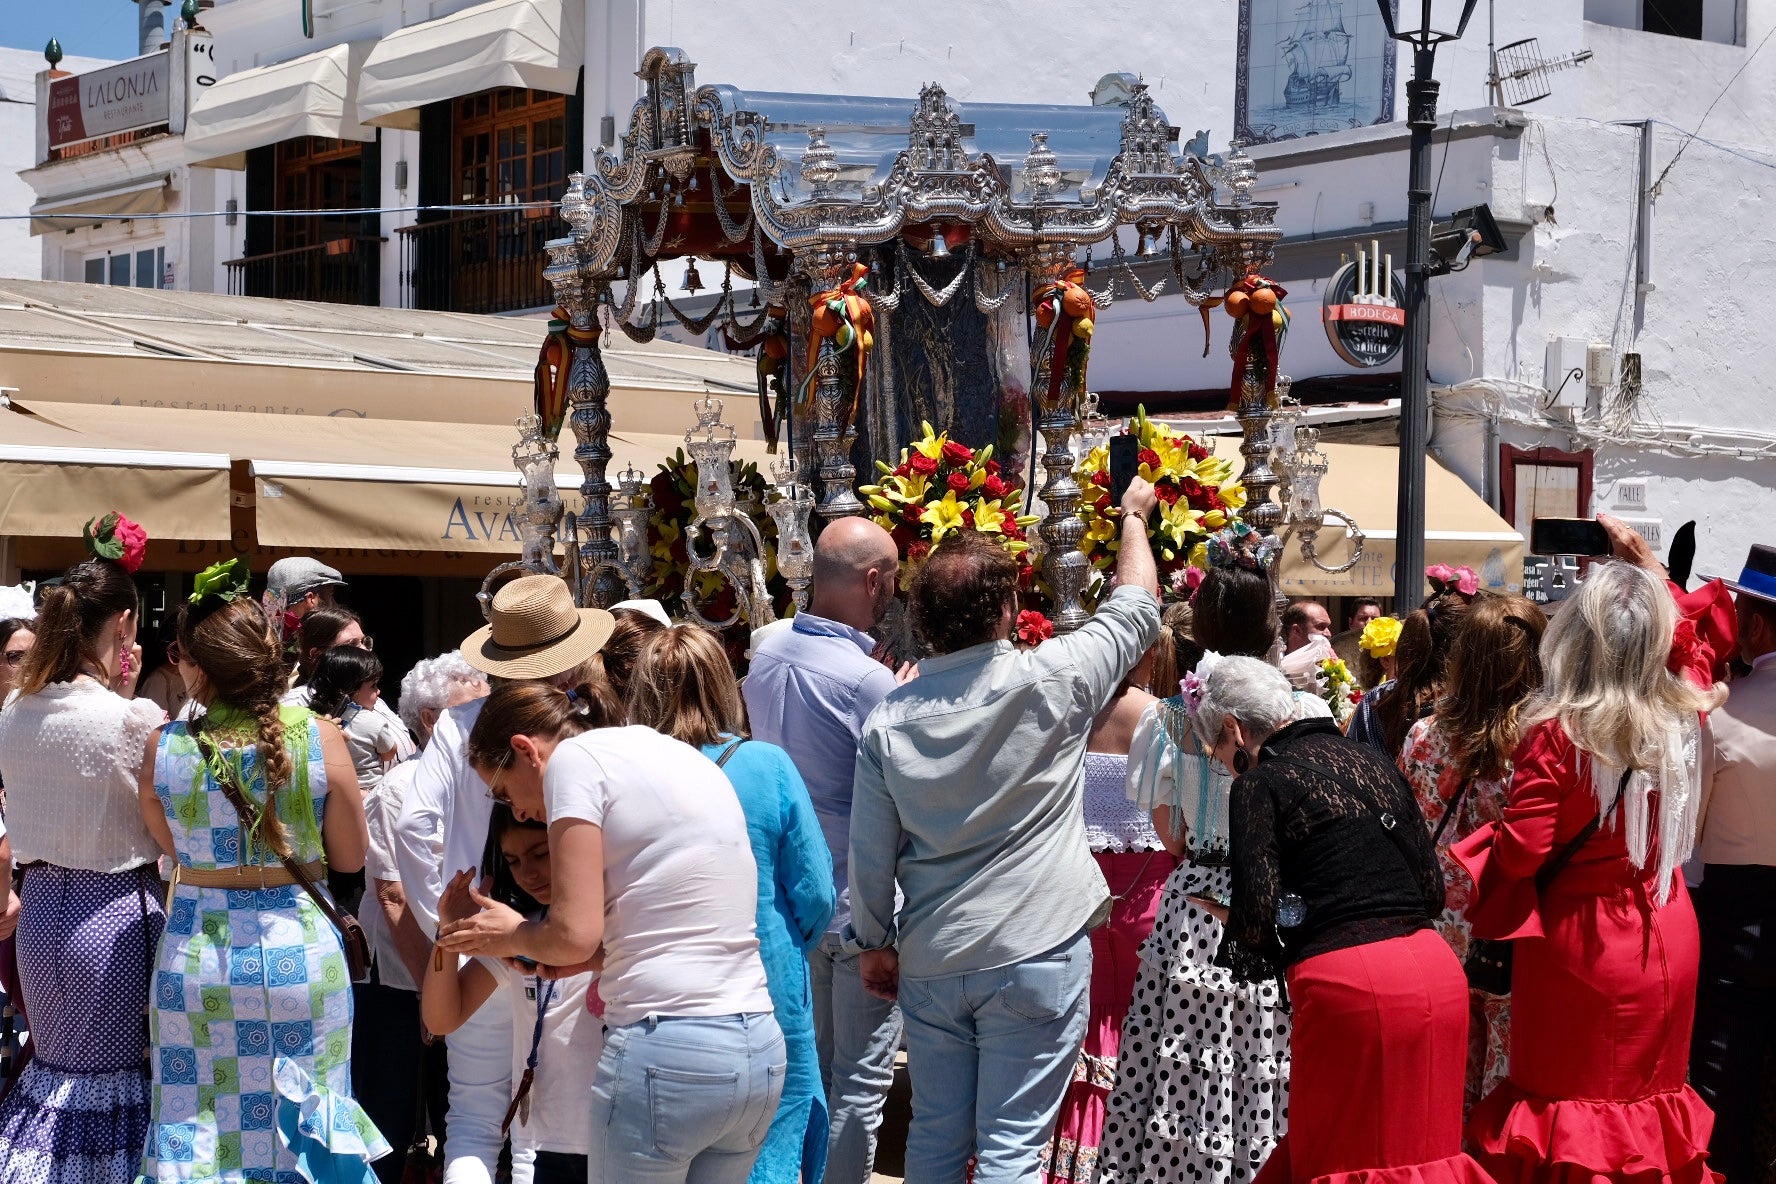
477,111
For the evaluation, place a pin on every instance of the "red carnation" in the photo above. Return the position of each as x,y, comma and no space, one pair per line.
959,482
994,488
1101,479
918,551
1033,628
1167,492
957,454
1150,458
923,464
1215,502
1191,487
915,512
1198,452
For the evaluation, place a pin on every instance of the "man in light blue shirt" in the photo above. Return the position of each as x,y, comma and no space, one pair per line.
968,794
809,690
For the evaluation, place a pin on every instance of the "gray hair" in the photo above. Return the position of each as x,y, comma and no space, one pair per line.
430,684
1253,692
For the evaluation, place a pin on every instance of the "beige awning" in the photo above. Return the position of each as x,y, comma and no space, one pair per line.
315,482
1460,528
313,95
536,44
89,207
54,478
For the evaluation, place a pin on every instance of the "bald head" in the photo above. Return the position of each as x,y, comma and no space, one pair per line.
855,569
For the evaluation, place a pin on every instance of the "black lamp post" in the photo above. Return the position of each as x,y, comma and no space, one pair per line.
1423,24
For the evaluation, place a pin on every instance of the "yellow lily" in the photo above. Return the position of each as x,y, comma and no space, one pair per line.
944,516
931,446
990,518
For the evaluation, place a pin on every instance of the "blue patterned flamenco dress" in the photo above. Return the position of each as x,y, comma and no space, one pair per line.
252,1000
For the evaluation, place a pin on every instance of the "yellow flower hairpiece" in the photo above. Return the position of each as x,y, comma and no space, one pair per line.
1380,637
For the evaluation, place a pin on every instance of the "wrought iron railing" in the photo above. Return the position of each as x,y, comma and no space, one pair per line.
338,271
490,262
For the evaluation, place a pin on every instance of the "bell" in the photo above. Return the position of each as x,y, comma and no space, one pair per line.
940,246
1149,242
692,281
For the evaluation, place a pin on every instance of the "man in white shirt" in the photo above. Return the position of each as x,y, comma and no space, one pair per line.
534,634
1733,1047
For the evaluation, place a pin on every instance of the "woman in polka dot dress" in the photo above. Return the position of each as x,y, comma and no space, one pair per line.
252,999
1202,1081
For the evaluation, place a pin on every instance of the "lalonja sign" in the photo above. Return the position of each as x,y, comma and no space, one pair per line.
1362,313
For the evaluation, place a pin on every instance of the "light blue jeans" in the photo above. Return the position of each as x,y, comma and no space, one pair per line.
685,1100
991,1054
857,1035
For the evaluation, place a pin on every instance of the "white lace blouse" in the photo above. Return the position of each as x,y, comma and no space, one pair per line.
70,756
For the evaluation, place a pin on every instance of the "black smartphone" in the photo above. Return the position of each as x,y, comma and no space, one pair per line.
1568,536
1125,465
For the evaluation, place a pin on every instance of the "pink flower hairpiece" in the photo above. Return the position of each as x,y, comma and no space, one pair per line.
1463,579
1192,687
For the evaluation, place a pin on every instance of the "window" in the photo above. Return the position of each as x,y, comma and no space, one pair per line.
511,147
317,174
145,268
1674,18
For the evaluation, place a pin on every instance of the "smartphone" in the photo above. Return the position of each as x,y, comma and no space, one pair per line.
1567,536
1125,465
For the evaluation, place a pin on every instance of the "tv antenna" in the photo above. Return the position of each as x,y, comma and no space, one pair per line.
1517,74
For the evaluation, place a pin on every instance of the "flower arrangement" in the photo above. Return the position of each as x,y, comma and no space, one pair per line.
941,486
1380,637
1240,545
673,493
1033,628
1444,578
116,538
1197,496
1338,688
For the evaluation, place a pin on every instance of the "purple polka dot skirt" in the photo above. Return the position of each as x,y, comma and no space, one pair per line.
79,1113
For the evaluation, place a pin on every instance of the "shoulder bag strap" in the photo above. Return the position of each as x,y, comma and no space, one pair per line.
1450,811
1554,866
247,810
728,752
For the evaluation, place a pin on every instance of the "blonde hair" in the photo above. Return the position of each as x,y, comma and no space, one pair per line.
1604,673
1605,681
684,687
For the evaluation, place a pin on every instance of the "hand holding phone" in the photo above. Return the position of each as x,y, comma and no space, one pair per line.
1568,536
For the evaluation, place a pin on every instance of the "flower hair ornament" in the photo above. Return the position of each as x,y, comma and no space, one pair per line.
1380,637
1195,683
1444,578
216,587
1241,546
116,538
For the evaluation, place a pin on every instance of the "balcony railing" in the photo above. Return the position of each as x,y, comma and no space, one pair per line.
490,262
338,271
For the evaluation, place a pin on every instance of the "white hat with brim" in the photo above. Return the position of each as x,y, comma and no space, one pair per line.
647,608
535,631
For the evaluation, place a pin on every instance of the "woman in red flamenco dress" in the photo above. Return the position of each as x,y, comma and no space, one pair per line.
1603,987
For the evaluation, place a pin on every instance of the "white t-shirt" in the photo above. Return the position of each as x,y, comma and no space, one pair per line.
567,1058
303,696
369,734
680,884
382,806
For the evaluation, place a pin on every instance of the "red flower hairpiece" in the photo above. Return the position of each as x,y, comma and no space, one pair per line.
116,538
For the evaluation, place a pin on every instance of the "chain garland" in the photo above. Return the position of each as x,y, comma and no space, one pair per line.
937,298
732,231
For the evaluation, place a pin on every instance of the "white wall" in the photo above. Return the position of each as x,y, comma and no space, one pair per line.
20,253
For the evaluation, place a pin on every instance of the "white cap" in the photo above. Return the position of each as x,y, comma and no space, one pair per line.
16,603
647,608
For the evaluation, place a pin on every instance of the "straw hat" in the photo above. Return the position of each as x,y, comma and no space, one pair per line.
535,631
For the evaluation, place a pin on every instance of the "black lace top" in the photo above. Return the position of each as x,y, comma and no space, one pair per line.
1310,820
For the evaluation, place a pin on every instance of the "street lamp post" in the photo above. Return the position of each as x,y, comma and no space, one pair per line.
1436,21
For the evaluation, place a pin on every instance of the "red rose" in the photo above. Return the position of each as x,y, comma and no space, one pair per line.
923,464
1150,458
1101,479
1167,492
918,551
1215,502
957,454
993,468
915,512
1191,487
994,488
1026,575
959,482
135,543
903,469
903,537
968,519
1198,452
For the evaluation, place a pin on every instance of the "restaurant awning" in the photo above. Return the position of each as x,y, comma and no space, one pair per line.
1460,528
145,196
313,95
54,477
311,482
538,44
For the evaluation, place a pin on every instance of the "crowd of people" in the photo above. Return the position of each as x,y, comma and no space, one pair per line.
1151,902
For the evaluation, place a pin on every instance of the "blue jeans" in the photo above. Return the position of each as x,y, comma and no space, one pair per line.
857,1035
685,1100
991,1054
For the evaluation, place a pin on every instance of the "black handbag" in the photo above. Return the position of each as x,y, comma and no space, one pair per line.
1488,964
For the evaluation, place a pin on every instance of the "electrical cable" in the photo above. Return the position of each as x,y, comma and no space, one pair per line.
1749,58
363,211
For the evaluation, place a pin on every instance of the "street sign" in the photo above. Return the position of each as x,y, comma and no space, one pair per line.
1362,313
